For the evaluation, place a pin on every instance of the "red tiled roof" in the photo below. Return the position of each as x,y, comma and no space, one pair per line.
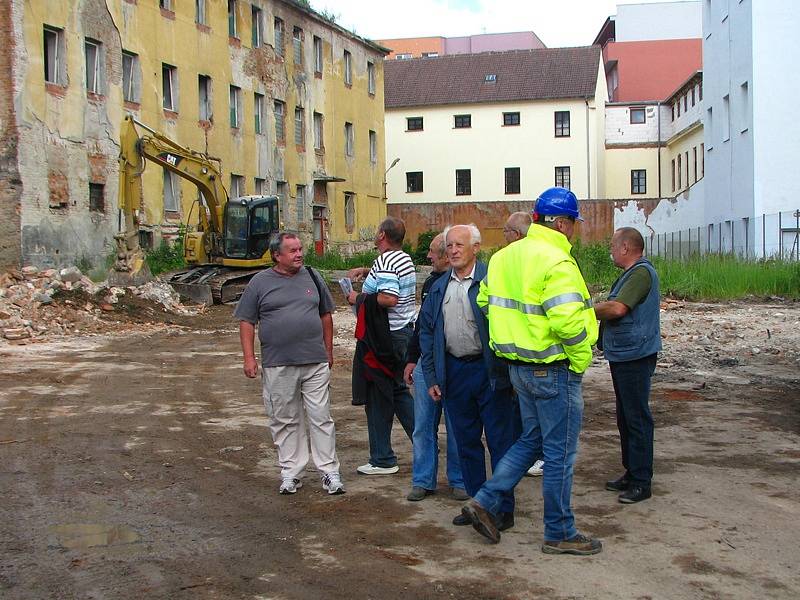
520,75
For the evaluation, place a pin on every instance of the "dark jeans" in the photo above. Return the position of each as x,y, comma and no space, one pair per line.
476,410
381,411
634,420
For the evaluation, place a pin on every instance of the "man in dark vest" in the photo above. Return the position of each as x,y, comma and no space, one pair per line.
631,339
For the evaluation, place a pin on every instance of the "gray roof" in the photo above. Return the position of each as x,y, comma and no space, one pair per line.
519,75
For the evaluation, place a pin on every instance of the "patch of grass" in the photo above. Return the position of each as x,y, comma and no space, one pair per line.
167,257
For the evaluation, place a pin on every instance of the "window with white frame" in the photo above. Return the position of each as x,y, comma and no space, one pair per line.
349,141
54,55
299,127
172,190
237,186
257,23
169,87
349,211
562,177
318,130
258,113
131,77
348,68
235,98
204,97
371,77
233,29
297,45
260,186
300,199
200,12
282,192
373,147
278,26
280,126
318,61
94,61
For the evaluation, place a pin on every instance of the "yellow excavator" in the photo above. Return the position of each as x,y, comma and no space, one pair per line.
231,242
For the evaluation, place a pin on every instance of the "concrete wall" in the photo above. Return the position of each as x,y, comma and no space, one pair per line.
493,42
68,137
658,21
10,183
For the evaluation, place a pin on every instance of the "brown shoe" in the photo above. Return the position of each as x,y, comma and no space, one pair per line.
482,521
460,494
579,544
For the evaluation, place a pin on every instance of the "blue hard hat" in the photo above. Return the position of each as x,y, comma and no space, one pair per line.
557,202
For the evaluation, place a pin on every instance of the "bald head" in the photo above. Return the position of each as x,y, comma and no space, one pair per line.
516,226
627,246
437,254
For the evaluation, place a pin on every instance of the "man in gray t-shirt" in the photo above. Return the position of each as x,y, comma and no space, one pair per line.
292,307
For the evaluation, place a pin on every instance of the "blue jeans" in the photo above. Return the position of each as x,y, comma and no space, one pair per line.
427,415
552,409
381,411
634,420
475,410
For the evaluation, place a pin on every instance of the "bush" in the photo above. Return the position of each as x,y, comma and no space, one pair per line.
332,260
167,257
424,239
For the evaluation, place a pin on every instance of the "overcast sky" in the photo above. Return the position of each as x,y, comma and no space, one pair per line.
556,22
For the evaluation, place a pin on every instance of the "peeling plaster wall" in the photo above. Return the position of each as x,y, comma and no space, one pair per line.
652,217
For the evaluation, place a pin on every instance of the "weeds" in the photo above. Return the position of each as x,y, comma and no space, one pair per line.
167,257
334,261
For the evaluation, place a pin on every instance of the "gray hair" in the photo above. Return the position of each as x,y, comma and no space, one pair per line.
276,241
474,232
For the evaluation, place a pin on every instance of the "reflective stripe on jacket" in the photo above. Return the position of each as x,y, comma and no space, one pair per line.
537,302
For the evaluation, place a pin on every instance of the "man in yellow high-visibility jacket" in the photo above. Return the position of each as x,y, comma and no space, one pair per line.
542,323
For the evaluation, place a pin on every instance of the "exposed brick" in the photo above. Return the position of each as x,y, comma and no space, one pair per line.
58,184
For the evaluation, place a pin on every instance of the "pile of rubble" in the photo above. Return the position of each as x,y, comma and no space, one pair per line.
36,304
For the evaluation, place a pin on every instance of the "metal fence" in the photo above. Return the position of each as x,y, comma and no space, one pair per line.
775,236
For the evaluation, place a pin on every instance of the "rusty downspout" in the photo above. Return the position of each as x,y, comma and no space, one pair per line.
658,147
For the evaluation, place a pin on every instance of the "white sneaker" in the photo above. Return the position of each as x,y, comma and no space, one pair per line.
290,486
332,483
368,469
537,469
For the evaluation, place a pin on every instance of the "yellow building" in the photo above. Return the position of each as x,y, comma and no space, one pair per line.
289,102
684,163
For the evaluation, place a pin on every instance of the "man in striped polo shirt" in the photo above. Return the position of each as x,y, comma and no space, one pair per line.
393,278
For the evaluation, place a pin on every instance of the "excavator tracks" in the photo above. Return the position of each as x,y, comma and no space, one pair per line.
211,284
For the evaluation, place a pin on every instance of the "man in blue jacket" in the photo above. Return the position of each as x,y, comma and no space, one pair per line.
631,339
462,371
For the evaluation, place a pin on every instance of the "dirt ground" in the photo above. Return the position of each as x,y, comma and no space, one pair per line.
138,465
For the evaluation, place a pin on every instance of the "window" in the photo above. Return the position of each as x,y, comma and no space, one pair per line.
692,95
686,158
694,162
414,182
430,54
709,124
235,106
237,186
371,77
172,191
258,113
463,182
463,121
279,37
673,174
510,118
702,160
562,177
413,123
348,68
131,77
280,128
562,123
673,112
318,55
54,55
680,172
297,45
257,25
200,12
97,200
349,141
299,127
232,29
282,192
94,63
301,203
678,104
744,103
638,181
403,56
685,102
318,130
726,118
169,87
146,239
204,95
490,78
512,185
638,116
373,147
260,186
700,91
349,211
165,4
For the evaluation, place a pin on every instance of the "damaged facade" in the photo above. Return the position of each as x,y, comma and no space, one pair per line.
289,102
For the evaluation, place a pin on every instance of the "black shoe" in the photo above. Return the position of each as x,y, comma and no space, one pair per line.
482,521
418,493
504,520
461,520
618,485
635,493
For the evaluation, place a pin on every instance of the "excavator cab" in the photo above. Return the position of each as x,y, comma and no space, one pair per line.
249,222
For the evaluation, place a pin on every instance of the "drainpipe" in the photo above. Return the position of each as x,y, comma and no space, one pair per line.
588,157
658,148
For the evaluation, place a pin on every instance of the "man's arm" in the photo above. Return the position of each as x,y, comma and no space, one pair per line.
565,311
385,300
610,310
634,290
358,273
247,334
327,335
